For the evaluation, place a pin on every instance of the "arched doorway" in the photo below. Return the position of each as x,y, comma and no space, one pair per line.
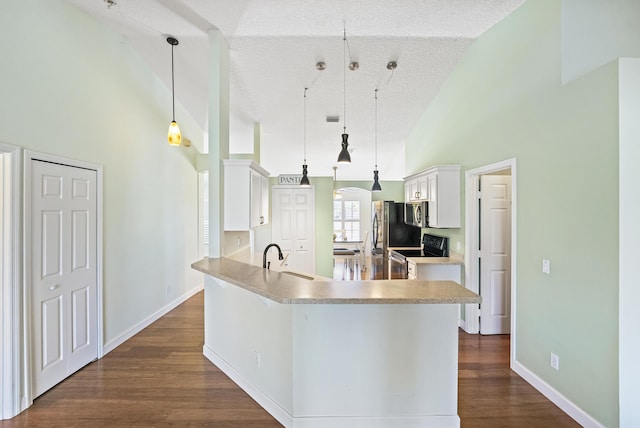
351,231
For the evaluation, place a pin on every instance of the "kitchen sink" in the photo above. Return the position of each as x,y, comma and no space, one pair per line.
299,275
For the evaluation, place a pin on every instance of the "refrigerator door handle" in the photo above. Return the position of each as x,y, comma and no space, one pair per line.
375,226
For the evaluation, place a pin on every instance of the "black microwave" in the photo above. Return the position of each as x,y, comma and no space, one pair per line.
417,213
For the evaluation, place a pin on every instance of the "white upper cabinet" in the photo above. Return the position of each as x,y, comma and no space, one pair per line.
440,185
246,195
264,199
416,189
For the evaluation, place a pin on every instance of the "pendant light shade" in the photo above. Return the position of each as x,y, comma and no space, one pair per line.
304,182
376,184
174,135
344,156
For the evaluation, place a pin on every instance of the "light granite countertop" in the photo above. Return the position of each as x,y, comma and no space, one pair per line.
296,288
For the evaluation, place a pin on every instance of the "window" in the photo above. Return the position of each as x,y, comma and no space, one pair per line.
346,220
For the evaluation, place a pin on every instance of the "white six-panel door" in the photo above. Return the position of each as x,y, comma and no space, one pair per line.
304,208
293,226
63,271
495,254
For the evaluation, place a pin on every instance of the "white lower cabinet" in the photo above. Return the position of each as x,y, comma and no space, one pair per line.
246,195
436,271
440,186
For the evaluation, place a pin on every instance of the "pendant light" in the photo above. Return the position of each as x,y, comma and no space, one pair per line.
376,185
344,156
174,136
304,182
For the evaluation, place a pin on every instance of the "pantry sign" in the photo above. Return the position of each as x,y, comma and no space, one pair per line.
289,178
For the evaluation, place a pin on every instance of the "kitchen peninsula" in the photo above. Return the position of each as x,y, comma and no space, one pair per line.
316,352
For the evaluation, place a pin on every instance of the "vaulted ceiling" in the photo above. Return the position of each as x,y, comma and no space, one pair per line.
274,47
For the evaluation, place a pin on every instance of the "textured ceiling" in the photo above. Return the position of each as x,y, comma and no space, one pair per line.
274,46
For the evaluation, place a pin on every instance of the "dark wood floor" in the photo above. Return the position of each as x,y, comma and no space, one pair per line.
491,395
159,378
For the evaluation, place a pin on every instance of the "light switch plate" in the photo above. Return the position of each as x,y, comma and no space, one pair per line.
546,266
554,361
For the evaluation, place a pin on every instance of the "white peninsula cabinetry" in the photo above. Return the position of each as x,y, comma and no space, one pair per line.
440,186
308,348
246,195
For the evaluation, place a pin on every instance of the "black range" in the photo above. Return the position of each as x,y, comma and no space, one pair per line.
432,246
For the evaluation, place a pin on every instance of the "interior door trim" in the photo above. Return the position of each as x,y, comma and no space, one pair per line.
10,285
29,157
471,225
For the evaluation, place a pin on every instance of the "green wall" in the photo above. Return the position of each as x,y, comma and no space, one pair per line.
324,225
72,88
505,100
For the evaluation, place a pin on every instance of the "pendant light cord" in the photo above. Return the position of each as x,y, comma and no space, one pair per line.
390,76
173,94
376,128
344,77
304,125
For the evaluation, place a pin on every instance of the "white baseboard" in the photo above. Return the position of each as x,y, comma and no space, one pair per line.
452,421
113,344
462,324
567,406
286,419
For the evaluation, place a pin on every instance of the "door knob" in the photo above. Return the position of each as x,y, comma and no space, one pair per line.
53,287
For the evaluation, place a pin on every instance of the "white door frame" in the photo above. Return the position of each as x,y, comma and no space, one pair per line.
30,156
471,244
10,283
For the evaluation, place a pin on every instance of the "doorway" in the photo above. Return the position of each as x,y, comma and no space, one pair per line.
352,233
504,277
63,270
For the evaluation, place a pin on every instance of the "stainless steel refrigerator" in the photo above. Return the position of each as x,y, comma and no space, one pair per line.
389,230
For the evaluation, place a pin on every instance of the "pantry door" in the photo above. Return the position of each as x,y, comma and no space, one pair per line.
63,272
293,226
304,213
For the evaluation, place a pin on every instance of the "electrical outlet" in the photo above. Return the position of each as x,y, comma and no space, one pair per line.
258,358
239,240
546,266
555,361
458,245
